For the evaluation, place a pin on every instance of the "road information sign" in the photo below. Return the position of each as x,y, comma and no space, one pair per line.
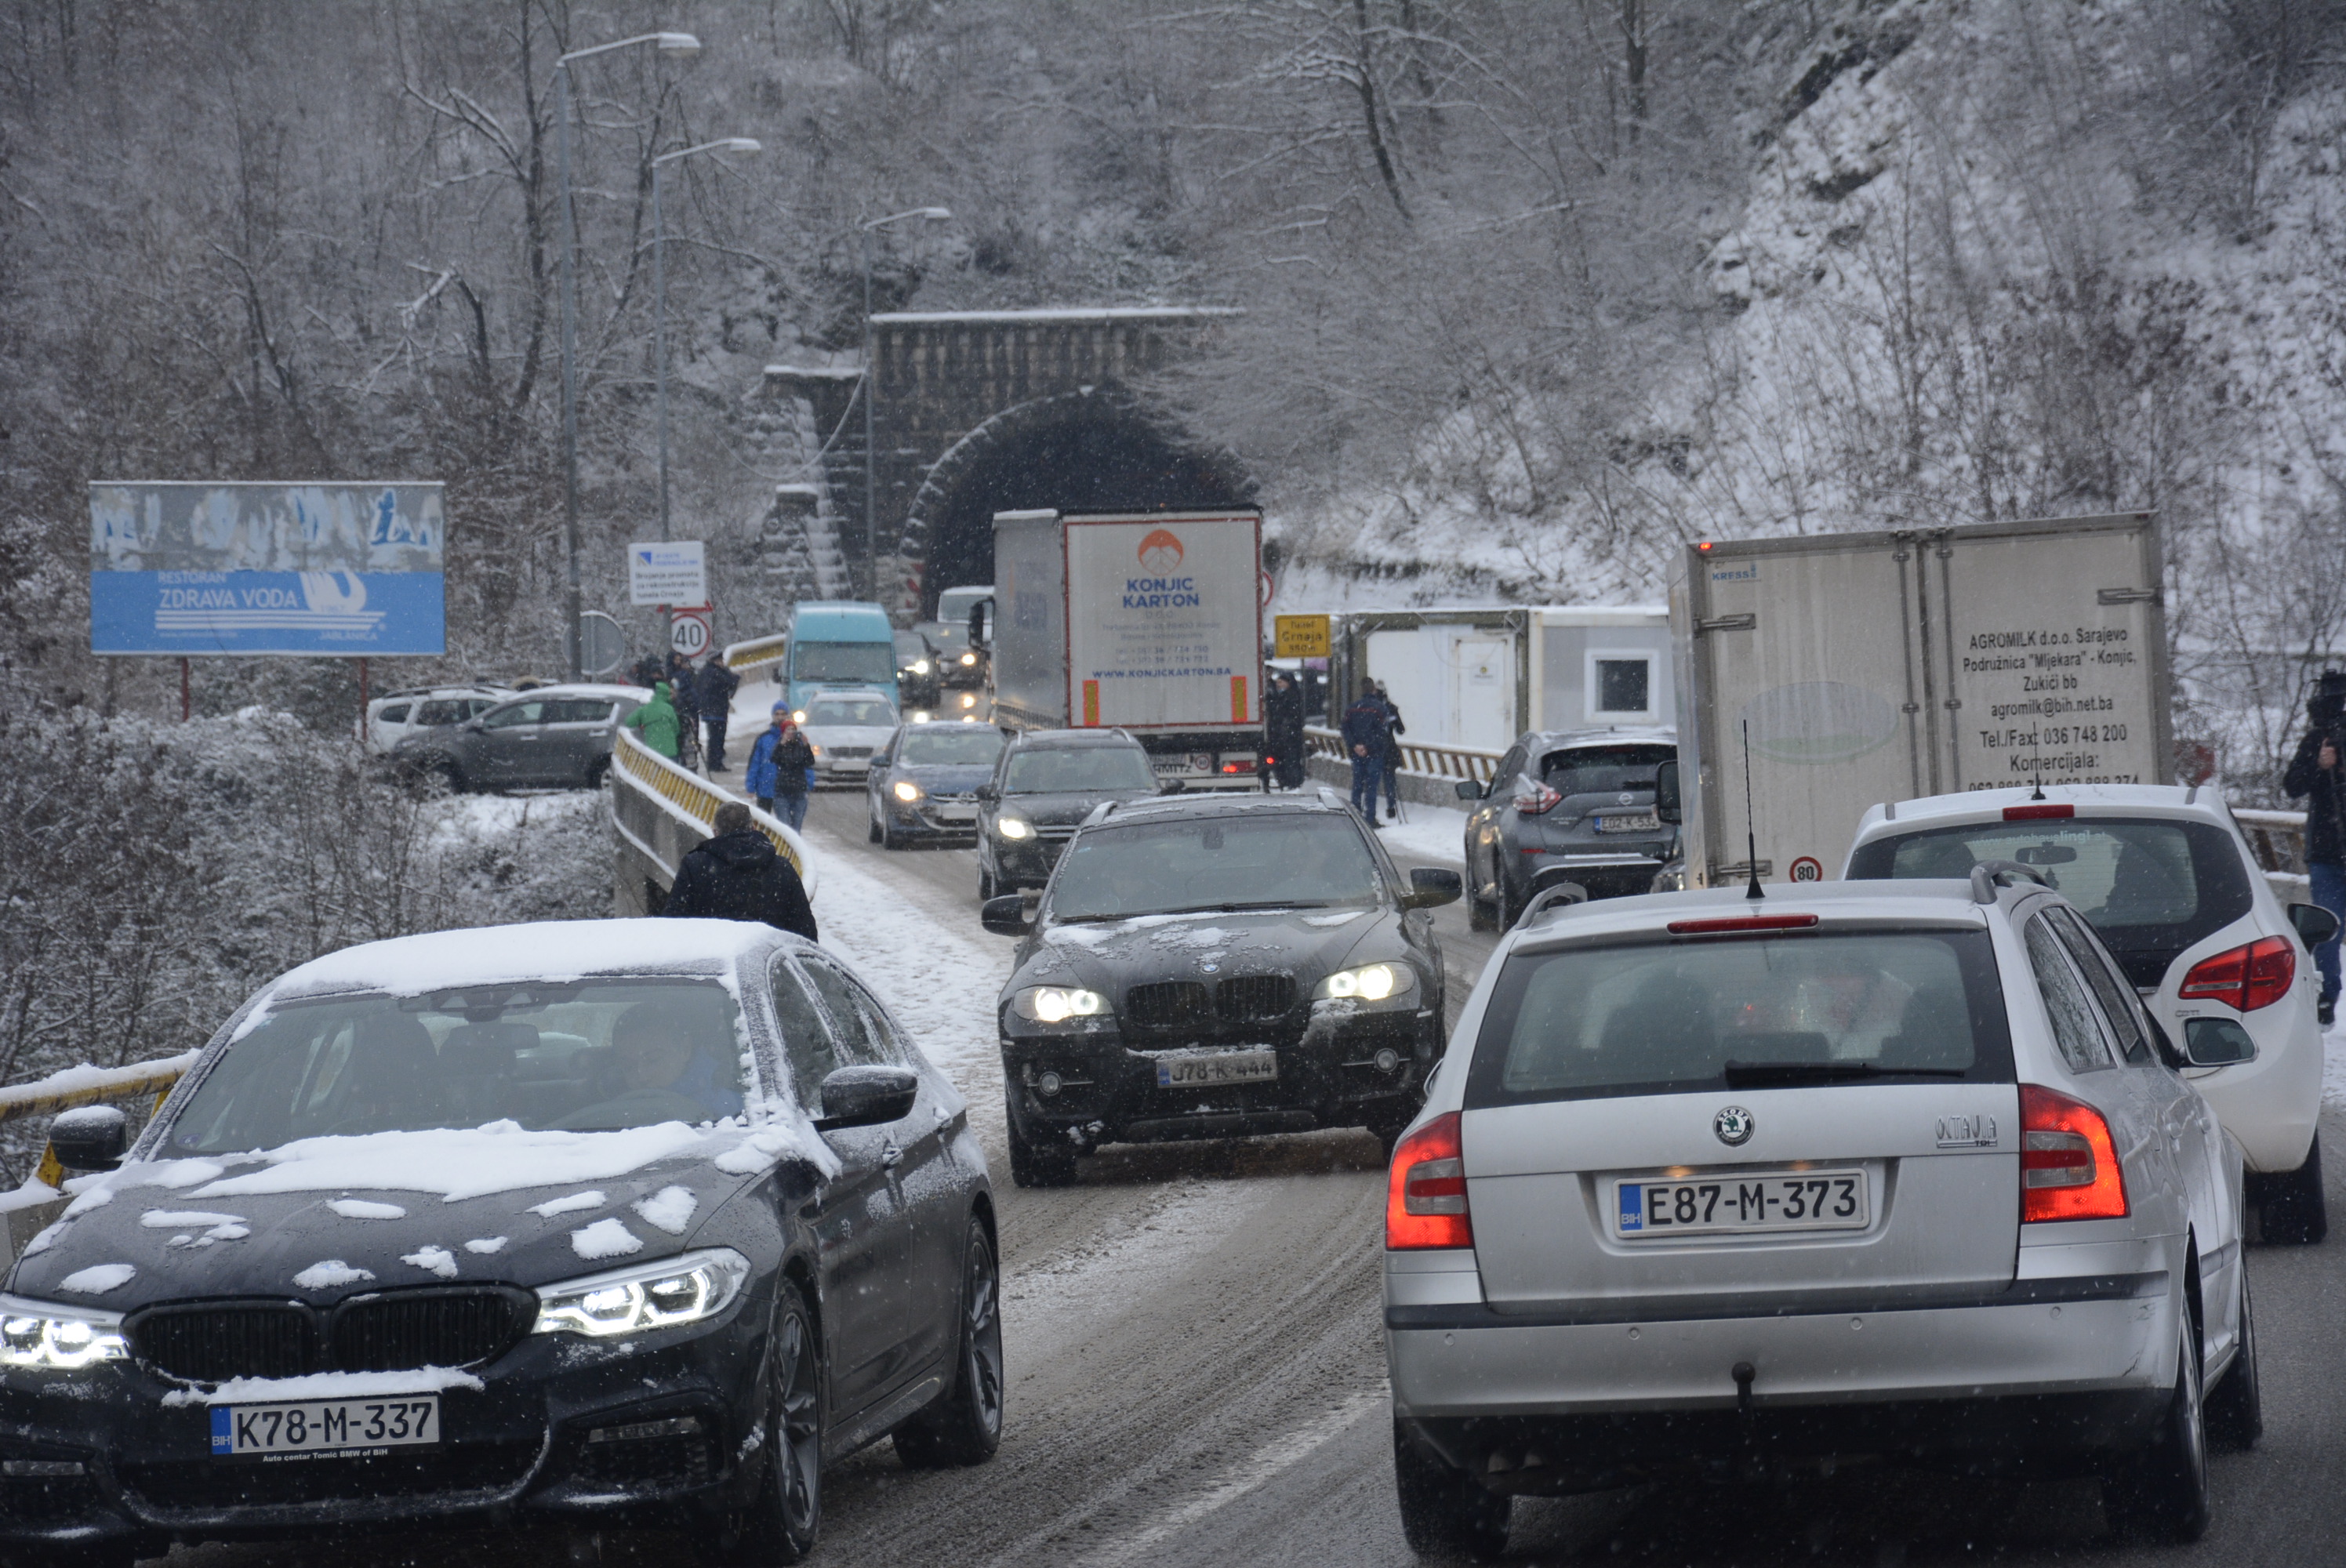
671,572
224,568
1300,637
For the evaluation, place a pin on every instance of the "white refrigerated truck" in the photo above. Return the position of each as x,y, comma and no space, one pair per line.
1847,669
1146,622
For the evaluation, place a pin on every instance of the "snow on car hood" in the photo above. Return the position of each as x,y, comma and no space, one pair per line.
321,1217
1112,954
550,950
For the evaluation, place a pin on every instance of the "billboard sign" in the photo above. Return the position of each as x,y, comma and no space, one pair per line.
673,572
204,567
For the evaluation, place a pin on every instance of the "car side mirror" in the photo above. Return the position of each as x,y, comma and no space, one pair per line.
1005,916
90,1137
986,793
1668,806
2315,925
866,1097
1469,788
981,625
2219,1041
1430,886
1172,786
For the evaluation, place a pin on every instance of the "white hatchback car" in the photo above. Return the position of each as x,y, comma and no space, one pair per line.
2169,883
1710,1187
845,728
396,714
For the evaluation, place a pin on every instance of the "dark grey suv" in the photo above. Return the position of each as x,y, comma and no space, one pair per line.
552,738
1571,806
1045,782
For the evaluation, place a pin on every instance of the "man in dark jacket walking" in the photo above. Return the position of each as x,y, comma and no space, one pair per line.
2314,775
1394,730
712,694
1282,732
737,875
1364,741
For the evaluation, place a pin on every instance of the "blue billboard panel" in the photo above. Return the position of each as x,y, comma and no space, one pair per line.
213,568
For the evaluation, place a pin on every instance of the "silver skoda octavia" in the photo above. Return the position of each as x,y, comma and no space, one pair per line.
1728,1188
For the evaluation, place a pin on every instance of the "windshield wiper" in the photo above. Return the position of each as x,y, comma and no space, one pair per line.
1243,909
1771,1074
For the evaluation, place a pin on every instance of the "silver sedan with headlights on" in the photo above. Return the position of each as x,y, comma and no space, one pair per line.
1712,1189
924,783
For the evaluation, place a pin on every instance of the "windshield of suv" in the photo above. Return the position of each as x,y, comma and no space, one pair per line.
1677,1017
2151,888
872,663
867,713
580,1055
1609,770
1252,863
951,745
1078,770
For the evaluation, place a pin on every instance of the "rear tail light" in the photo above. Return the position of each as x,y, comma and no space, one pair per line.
2068,1167
1537,799
2245,978
1425,1191
1245,767
1741,922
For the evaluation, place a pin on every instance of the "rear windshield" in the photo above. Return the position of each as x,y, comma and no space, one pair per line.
1167,868
1706,1015
2151,888
1078,770
585,1057
948,745
1587,770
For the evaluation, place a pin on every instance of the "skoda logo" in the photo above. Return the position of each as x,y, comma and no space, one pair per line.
1733,1125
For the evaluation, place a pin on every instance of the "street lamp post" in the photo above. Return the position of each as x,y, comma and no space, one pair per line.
871,392
683,44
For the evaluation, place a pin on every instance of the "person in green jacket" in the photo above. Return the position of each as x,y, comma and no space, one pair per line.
657,720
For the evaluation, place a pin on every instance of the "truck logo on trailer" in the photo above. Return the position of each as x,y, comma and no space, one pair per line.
1160,551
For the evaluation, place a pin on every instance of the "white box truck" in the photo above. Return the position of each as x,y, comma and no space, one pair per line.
1146,622
1881,667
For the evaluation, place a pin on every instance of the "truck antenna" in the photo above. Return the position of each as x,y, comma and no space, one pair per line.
1750,824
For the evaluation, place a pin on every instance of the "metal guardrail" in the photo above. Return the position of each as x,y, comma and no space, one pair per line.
77,1086
2278,841
637,767
756,652
1435,761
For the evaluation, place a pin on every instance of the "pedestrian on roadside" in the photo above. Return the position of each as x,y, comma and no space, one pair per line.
778,769
1282,732
656,721
1394,728
645,671
736,874
679,685
1365,740
712,694
2314,774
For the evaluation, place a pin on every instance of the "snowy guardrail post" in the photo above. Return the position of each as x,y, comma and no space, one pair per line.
659,812
33,1205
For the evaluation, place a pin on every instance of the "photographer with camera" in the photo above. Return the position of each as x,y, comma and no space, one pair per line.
2315,774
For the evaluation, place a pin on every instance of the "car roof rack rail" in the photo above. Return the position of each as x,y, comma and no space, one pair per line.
1555,896
1989,875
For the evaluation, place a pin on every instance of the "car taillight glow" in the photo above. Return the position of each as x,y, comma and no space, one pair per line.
1539,798
2245,978
2037,813
1425,1191
1741,922
2068,1166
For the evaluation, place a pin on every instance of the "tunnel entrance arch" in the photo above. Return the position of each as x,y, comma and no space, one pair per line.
1096,450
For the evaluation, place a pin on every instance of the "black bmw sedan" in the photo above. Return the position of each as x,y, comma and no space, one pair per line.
589,1224
1208,966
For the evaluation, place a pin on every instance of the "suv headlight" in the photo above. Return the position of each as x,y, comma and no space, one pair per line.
1369,983
1014,827
58,1338
687,1289
1058,1003
906,790
920,667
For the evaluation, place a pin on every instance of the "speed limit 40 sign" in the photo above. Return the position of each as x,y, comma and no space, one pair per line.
687,631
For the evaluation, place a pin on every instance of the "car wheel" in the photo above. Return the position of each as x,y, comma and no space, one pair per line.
872,830
2236,1407
1048,1163
780,1522
2161,1494
1480,915
987,888
2294,1209
965,1425
1444,1512
596,771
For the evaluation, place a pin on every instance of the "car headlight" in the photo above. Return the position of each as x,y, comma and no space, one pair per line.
1014,827
1058,1003
920,716
1369,983
920,667
58,1338
969,699
907,791
969,659
798,715
687,1289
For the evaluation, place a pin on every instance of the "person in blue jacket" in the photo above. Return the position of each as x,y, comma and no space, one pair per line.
780,770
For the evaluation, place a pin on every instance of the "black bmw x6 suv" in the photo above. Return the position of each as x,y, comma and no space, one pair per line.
1209,966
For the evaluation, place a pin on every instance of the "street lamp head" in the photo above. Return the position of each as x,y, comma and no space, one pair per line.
739,144
684,46
934,214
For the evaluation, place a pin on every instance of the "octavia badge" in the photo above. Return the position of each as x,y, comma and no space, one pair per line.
1733,1125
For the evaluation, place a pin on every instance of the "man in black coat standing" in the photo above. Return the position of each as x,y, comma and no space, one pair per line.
2314,774
737,875
712,694
1282,732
